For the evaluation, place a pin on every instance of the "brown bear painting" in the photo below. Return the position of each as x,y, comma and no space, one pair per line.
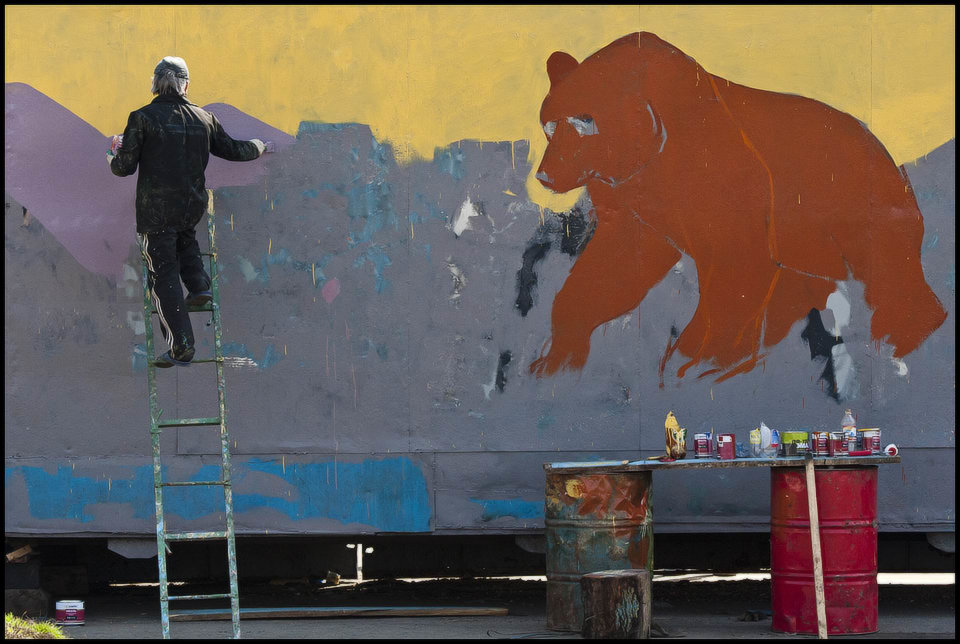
775,197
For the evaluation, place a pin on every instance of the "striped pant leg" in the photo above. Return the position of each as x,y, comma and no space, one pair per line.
163,277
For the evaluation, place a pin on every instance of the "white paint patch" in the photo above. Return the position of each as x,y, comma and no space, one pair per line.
901,366
249,272
459,279
843,369
585,126
462,221
135,321
238,361
129,279
840,305
487,389
844,372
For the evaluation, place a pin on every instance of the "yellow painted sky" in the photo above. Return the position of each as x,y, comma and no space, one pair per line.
424,76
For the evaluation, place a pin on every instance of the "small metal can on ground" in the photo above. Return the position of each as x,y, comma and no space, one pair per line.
726,446
820,443
70,612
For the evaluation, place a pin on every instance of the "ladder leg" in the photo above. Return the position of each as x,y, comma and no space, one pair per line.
224,436
157,468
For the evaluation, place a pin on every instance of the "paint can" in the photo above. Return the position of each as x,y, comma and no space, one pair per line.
70,612
838,444
871,440
820,443
726,446
702,446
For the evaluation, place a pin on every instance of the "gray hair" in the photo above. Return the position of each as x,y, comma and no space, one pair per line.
170,76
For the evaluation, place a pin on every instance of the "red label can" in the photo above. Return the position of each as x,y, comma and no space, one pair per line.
726,446
702,446
820,443
838,444
871,441
70,612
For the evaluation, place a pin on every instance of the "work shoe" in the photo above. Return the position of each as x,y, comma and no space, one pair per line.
199,298
167,360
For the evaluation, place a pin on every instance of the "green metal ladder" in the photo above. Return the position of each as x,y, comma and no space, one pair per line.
157,426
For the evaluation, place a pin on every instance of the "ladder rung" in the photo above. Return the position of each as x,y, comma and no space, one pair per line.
188,422
192,309
180,483
156,363
191,536
217,596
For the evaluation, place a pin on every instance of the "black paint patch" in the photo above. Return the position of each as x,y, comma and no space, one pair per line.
821,343
505,357
527,276
576,229
568,231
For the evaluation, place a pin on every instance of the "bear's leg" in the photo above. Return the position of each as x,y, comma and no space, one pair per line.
887,261
727,327
619,265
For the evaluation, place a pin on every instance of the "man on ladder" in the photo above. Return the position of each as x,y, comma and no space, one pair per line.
171,140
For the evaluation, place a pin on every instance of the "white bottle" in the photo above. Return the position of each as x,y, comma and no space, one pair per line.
849,427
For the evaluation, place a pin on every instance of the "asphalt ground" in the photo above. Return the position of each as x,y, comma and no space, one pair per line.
687,606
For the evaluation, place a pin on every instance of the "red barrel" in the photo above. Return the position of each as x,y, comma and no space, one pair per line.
847,509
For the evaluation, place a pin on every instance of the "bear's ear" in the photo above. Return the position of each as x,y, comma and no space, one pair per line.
559,65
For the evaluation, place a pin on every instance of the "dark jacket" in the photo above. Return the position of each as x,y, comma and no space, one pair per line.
172,140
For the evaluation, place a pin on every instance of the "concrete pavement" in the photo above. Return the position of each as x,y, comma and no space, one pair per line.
685,606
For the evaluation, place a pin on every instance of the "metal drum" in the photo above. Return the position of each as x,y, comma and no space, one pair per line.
593,522
847,509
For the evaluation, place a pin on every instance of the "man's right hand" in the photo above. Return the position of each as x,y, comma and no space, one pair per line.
263,147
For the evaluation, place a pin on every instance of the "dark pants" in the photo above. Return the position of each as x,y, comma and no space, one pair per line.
171,257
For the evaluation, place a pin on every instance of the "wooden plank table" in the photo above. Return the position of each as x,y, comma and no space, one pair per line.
705,463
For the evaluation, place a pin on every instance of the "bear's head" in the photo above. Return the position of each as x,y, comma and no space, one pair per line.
598,124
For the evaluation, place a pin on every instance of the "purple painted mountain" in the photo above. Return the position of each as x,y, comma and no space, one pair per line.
55,165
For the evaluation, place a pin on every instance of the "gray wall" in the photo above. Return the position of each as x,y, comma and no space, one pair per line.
368,387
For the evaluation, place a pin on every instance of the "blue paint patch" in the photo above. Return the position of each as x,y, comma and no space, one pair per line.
449,160
236,349
380,260
382,351
138,358
475,414
312,193
517,508
270,357
390,495
370,203
319,127
932,243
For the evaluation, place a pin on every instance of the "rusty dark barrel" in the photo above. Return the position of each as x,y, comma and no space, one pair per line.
847,509
593,522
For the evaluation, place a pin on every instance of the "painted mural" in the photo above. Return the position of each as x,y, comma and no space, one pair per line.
472,254
775,197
